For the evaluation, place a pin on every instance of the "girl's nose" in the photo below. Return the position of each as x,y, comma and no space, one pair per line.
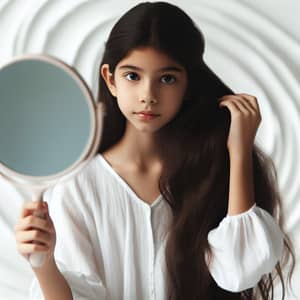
149,100
148,95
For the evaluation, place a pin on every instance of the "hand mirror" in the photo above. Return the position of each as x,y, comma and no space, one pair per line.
50,125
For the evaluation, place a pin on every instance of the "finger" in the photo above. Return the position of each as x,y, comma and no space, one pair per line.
251,100
244,105
31,206
32,248
31,222
248,101
35,236
231,105
250,97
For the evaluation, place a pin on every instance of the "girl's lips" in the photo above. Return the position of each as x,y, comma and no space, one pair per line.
147,117
146,113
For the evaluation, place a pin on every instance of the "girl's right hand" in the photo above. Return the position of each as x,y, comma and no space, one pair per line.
34,234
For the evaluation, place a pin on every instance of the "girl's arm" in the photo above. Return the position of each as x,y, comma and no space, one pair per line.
31,227
248,242
245,119
52,282
241,188
75,262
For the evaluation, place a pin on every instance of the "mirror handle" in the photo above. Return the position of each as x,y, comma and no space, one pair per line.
37,259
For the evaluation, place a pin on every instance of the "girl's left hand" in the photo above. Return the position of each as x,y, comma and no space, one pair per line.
245,120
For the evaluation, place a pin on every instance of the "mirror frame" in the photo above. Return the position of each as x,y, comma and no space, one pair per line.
97,113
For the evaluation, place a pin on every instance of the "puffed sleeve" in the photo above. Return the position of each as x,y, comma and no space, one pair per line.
74,253
244,248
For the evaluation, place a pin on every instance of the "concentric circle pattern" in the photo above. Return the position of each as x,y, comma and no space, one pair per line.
254,47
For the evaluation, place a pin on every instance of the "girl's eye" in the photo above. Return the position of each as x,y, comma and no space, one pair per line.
170,79
131,77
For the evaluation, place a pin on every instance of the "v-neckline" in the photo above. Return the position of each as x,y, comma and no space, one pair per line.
123,182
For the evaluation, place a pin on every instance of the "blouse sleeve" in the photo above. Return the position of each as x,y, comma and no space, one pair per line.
244,248
74,253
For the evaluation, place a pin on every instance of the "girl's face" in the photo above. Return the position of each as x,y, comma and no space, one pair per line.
147,80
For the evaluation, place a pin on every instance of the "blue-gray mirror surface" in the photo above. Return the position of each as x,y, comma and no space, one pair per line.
45,120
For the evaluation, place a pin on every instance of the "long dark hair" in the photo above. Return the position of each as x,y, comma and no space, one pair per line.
195,175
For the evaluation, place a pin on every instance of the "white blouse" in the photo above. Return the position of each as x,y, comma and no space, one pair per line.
111,244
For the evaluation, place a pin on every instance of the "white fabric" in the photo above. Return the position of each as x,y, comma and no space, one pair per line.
110,243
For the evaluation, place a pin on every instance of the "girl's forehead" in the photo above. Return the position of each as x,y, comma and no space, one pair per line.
149,58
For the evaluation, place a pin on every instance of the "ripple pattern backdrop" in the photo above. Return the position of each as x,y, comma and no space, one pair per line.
254,46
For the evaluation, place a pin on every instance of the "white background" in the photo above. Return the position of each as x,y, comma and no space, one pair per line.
254,46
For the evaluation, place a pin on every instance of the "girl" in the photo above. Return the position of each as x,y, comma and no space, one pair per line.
179,203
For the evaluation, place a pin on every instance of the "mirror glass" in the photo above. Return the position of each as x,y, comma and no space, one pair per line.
45,119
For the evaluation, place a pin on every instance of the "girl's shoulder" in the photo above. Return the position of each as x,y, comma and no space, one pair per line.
93,174
84,182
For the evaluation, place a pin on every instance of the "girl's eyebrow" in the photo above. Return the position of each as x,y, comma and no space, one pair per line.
168,68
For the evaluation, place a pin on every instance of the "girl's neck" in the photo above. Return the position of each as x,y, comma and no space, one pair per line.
138,149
